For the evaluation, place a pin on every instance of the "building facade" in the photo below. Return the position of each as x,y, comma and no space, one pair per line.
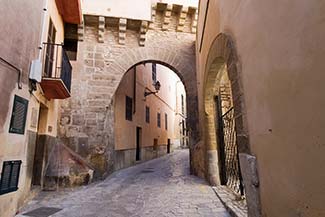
31,62
273,59
149,119
109,46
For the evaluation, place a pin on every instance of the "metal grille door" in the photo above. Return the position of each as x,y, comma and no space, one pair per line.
230,159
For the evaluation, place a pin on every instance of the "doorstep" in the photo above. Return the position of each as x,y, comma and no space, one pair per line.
235,205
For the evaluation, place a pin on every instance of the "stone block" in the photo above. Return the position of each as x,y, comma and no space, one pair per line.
248,166
78,120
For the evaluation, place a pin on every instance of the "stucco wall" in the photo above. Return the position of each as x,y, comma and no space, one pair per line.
131,9
18,43
21,27
280,49
164,102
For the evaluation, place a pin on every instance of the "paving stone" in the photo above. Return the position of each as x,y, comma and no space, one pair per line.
165,189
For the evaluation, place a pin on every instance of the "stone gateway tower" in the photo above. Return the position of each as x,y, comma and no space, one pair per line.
108,47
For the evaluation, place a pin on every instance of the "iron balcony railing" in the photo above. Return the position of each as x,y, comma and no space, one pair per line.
56,63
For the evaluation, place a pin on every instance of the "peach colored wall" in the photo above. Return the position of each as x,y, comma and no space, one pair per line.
281,51
163,102
24,48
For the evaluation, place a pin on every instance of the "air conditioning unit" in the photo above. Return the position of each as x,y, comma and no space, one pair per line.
36,70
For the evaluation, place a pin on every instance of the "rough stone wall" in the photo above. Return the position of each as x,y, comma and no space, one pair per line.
87,118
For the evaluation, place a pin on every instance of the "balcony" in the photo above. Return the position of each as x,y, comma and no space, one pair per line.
56,78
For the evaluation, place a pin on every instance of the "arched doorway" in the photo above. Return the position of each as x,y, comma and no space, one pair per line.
229,159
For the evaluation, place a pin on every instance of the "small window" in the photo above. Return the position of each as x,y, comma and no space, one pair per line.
166,122
128,108
71,48
182,103
154,73
9,176
147,114
19,114
71,40
158,120
183,127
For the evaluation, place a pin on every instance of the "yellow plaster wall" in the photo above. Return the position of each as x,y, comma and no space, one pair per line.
163,102
281,51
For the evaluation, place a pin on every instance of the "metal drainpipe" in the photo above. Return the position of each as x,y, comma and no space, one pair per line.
43,26
134,88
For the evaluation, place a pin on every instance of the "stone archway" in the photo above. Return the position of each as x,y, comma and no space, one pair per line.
87,117
223,53
183,66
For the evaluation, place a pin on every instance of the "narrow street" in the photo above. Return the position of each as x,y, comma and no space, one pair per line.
161,187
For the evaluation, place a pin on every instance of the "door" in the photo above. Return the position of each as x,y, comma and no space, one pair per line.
39,163
228,150
168,146
138,145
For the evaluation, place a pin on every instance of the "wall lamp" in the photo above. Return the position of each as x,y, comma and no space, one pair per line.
157,88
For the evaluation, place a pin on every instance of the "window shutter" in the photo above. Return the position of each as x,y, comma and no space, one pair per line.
9,176
19,114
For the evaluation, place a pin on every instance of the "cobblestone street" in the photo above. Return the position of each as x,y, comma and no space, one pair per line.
161,187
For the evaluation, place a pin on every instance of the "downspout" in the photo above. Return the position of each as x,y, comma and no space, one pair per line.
43,26
134,89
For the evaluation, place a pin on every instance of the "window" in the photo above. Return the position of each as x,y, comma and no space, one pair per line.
182,103
9,176
71,47
71,40
166,122
49,54
19,114
128,108
147,114
158,120
154,73
183,127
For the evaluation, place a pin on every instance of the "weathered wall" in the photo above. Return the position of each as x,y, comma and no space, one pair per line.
87,121
280,50
18,43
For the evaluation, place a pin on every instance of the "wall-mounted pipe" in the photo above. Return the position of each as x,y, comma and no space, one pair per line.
134,89
43,28
16,69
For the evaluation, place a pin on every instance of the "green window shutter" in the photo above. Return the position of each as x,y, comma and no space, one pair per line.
19,115
10,176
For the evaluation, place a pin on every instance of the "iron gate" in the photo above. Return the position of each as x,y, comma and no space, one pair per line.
230,168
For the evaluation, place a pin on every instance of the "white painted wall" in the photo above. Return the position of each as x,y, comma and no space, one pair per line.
131,9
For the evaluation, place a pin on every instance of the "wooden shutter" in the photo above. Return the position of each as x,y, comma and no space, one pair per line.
19,114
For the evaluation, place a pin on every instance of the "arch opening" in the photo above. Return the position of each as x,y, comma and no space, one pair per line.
149,122
229,160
